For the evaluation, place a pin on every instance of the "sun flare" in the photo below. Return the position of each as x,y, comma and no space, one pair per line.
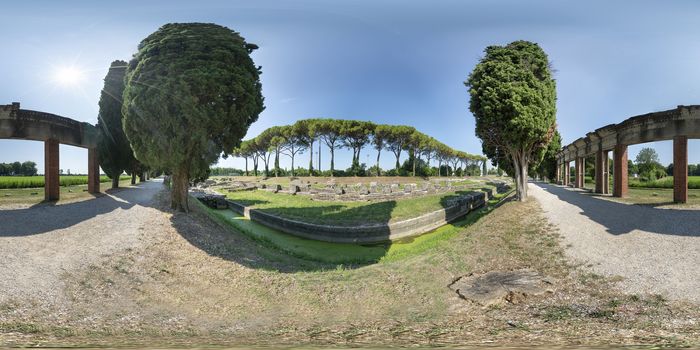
68,76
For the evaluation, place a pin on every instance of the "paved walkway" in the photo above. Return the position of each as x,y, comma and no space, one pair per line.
37,245
655,250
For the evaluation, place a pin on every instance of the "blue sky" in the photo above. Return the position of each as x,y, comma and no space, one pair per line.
394,62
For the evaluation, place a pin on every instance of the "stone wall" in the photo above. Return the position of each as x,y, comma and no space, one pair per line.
368,233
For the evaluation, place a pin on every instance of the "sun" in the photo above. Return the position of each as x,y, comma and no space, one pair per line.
68,76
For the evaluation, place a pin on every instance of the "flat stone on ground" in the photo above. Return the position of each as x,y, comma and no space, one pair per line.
496,287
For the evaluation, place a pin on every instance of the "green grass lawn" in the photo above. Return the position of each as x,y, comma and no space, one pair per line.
25,196
342,213
344,253
38,181
657,196
666,182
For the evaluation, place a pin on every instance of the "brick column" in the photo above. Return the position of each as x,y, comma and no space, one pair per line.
558,173
606,173
599,172
578,171
620,182
93,171
680,169
52,185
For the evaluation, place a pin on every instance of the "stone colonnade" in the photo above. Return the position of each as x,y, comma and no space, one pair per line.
676,124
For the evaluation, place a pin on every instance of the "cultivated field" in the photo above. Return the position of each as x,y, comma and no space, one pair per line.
38,181
22,197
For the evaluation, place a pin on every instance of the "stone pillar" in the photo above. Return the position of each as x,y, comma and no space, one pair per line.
606,173
567,175
558,173
680,169
93,171
582,172
620,183
577,172
52,184
599,172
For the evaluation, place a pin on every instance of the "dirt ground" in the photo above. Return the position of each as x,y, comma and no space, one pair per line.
188,281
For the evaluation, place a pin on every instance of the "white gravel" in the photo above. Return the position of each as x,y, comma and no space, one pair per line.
38,245
655,250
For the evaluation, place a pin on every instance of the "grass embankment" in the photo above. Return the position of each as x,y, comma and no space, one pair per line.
345,253
38,181
302,208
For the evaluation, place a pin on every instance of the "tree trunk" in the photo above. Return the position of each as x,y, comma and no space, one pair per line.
133,177
398,165
277,162
311,158
379,153
520,164
332,159
267,165
439,166
178,195
319,157
292,164
115,182
246,166
415,156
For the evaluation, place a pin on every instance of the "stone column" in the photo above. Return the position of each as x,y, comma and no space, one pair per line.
93,171
582,175
52,184
680,169
600,172
567,175
620,185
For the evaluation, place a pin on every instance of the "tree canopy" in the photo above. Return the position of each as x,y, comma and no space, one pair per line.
192,91
353,135
513,99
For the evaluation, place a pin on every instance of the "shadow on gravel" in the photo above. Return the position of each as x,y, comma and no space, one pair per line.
620,218
47,217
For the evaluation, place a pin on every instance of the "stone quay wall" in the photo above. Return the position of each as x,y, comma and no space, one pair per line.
368,233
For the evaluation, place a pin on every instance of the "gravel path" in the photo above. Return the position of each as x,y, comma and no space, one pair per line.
655,250
37,245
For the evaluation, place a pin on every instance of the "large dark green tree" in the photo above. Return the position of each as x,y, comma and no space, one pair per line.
548,167
192,91
513,99
113,147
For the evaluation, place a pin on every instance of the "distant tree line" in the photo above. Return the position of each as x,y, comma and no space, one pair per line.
27,168
218,171
265,150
